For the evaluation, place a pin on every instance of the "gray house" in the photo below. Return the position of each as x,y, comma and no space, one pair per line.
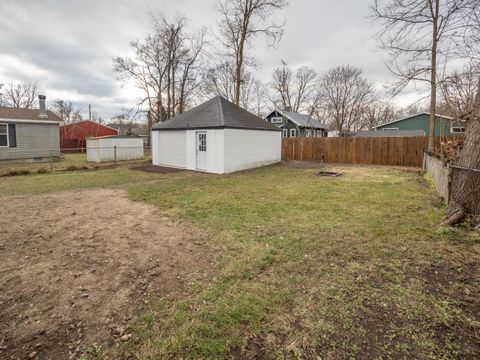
29,134
294,124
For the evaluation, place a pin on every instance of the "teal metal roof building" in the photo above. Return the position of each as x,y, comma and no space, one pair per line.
444,125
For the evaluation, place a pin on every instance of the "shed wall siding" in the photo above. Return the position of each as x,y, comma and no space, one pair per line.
33,141
422,121
169,148
215,143
99,150
246,149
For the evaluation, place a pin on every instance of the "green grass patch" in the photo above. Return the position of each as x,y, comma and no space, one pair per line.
308,267
69,162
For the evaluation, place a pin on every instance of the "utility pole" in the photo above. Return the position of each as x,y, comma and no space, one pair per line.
90,112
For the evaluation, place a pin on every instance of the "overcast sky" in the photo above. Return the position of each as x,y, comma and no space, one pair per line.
68,45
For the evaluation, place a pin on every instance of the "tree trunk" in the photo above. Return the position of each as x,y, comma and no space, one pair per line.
149,126
238,74
465,191
433,79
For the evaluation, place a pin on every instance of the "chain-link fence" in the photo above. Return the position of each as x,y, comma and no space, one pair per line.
31,161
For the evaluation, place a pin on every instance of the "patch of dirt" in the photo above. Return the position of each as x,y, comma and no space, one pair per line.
148,167
75,266
303,164
459,282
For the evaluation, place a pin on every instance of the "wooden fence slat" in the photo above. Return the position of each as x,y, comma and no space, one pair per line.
400,151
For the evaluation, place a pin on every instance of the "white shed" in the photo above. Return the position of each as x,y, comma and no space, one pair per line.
114,148
217,137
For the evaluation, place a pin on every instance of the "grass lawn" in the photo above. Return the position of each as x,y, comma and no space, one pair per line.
70,162
308,267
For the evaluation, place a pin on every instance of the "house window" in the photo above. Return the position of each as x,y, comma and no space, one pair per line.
390,129
293,132
285,132
276,120
3,135
457,129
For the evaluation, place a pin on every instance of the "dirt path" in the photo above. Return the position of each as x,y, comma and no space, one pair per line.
74,266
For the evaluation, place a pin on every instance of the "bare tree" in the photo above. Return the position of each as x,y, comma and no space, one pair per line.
465,189
458,91
419,33
20,95
344,95
241,21
220,80
66,111
254,95
465,194
377,112
260,99
166,67
294,90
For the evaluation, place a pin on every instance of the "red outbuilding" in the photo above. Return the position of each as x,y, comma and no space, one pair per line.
73,136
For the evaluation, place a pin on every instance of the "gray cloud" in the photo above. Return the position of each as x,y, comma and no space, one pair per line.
67,46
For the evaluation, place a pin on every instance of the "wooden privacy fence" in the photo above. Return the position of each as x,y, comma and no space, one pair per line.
400,151
440,173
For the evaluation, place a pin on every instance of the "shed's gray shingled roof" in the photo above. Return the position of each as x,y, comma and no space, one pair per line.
26,114
216,113
302,120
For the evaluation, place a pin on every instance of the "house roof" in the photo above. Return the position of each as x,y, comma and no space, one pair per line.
391,133
302,120
114,137
216,113
411,116
9,113
77,123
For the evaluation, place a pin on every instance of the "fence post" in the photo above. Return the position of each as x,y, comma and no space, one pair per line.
115,153
449,186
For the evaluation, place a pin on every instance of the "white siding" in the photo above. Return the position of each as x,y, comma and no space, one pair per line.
99,150
169,148
154,136
228,150
246,149
215,155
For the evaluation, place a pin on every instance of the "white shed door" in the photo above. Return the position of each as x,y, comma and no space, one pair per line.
201,150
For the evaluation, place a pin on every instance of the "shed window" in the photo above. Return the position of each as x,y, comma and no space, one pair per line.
285,132
3,135
293,132
12,135
277,120
457,129
202,142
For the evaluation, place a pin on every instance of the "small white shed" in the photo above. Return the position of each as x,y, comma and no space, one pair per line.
114,148
217,137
